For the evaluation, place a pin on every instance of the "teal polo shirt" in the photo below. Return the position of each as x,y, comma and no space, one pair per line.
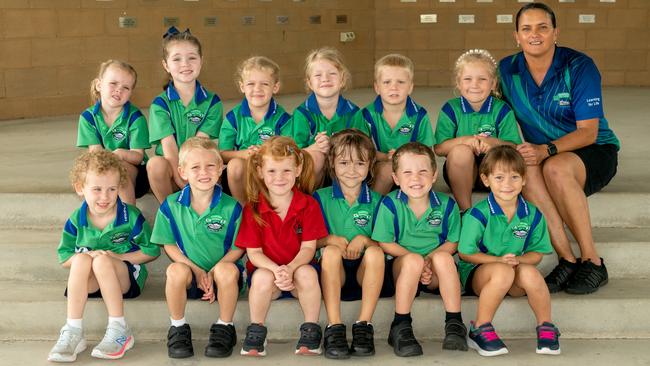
494,119
128,233
240,131
414,125
128,131
396,223
168,116
203,239
308,120
486,229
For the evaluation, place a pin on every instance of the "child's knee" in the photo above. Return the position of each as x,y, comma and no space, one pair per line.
226,274
460,154
81,260
103,263
373,256
502,274
442,259
331,254
305,275
263,281
529,274
236,168
157,167
178,273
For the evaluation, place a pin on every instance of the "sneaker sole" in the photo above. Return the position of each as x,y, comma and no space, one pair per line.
485,353
114,356
57,357
254,352
217,353
412,352
304,351
454,343
548,351
585,290
362,354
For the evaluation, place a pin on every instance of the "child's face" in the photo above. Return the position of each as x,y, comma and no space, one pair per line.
183,62
325,80
475,83
279,175
414,175
505,183
394,85
259,86
201,169
350,169
115,87
100,192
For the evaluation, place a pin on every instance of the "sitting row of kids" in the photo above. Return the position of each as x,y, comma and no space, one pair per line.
370,247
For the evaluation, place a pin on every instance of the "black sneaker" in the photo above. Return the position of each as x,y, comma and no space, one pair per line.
455,336
309,342
221,341
403,341
363,342
588,278
179,342
335,343
558,279
255,341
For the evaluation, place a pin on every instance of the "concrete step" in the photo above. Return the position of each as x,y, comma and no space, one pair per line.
574,352
30,255
38,310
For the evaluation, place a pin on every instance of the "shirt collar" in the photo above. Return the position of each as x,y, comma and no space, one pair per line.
364,194
557,65
485,108
434,200
200,94
185,197
125,109
343,106
121,214
495,209
298,201
246,110
411,107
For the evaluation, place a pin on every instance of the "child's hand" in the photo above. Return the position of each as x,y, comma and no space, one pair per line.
483,145
180,182
339,242
510,259
532,154
284,278
202,279
121,153
390,154
322,142
354,249
427,272
96,253
209,295
251,150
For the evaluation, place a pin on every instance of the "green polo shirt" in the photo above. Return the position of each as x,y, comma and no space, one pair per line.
128,233
129,130
203,239
396,223
494,119
308,120
168,116
486,229
240,131
414,125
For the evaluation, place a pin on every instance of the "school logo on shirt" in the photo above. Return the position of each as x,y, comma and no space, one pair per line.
406,129
434,218
215,223
195,116
298,228
361,218
520,231
119,238
81,249
486,130
119,134
265,133
562,99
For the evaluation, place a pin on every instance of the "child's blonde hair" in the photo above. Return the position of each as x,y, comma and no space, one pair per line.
257,63
95,96
174,35
331,55
505,156
100,162
415,148
482,56
198,142
344,142
277,147
394,60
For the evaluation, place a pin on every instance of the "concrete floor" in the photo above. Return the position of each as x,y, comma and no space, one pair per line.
36,154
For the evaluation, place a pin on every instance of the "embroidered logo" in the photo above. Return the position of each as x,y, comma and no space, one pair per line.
298,228
195,116
265,133
406,129
562,99
118,134
486,130
434,218
520,231
81,249
215,223
119,238
361,218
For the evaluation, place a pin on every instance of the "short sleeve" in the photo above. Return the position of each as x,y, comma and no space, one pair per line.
586,91
425,134
384,229
313,227
301,129
162,230
446,127
68,242
249,235
540,241
139,133
213,118
142,237
508,128
87,133
228,133
453,222
235,221
470,234
360,123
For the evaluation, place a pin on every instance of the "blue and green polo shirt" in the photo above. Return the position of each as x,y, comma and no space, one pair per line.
128,233
203,239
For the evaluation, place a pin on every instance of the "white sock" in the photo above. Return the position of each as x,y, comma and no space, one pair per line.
119,319
219,321
178,323
77,323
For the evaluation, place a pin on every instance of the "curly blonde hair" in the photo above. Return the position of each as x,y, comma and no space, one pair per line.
331,55
478,55
100,162
257,63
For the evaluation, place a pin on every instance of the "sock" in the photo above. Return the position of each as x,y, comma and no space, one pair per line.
359,321
118,319
219,321
178,323
77,323
450,315
401,318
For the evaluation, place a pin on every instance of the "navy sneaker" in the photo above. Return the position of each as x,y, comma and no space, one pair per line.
559,277
548,342
335,343
309,342
588,278
485,340
255,341
363,341
403,341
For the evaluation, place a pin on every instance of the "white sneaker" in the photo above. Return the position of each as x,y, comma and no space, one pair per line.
117,340
69,345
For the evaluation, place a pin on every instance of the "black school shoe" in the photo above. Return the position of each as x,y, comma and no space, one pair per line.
558,279
221,341
363,341
455,336
309,342
403,341
588,278
179,342
335,343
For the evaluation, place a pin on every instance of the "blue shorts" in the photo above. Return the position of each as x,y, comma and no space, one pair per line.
284,294
478,183
193,292
131,293
352,291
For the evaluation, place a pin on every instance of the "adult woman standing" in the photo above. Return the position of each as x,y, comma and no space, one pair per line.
570,151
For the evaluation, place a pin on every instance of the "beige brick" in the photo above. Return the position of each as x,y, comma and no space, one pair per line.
121,4
627,18
235,20
573,14
2,85
430,60
417,39
15,53
142,47
296,21
148,22
33,82
13,4
421,78
77,22
393,19
573,38
639,4
75,80
397,40
58,4
626,60
637,78
613,78
29,23
56,52
487,39
446,40
440,78
59,105
362,19
14,108
142,97
606,39
151,75
99,49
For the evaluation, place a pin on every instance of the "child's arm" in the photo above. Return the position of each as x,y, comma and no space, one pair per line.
479,258
305,254
394,249
260,260
170,152
337,241
443,148
530,258
233,255
381,156
357,245
228,155
132,156
137,257
449,247
93,148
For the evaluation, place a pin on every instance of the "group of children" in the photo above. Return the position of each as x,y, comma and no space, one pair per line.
346,238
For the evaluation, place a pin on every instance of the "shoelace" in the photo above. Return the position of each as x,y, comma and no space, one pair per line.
547,334
559,274
255,336
337,338
406,336
308,334
362,335
455,329
182,336
220,335
489,334
65,338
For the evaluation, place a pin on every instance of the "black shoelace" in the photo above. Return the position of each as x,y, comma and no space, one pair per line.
362,335
221,335
336,337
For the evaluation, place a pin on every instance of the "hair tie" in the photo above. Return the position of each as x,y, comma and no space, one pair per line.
172,31
476,52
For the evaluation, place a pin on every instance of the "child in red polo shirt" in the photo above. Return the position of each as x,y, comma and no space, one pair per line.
280,226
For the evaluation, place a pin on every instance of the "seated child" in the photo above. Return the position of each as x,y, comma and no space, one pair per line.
114,124
253,121
104,244
420,228
502,240
472,124
352,263
197,226
394,118
280,226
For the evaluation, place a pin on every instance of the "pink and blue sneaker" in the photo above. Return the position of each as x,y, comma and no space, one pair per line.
485,340
548,342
